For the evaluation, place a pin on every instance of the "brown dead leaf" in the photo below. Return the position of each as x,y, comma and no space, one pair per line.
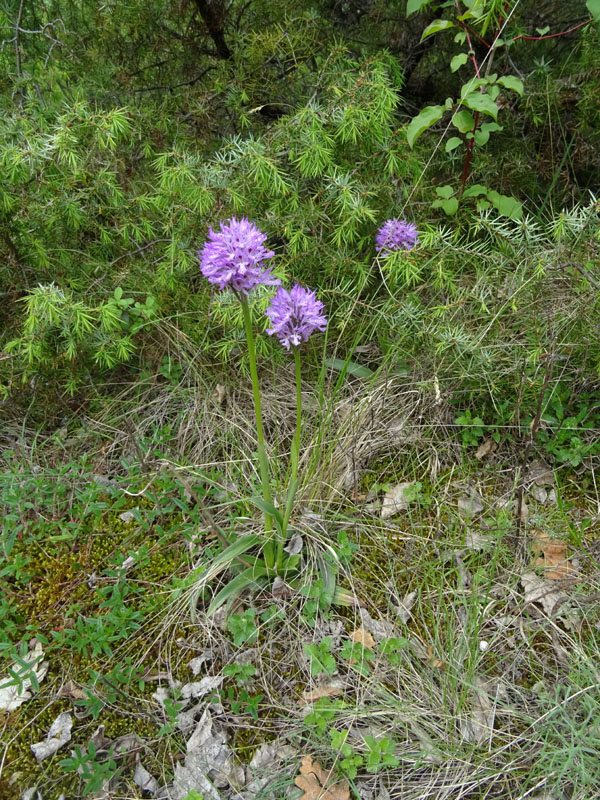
71,691
433,660
219,394
554,602
540,473
319,784
362,636
486,448
552,556
310,695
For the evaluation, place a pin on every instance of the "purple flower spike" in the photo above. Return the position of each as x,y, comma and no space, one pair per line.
232,257
396,234
294,315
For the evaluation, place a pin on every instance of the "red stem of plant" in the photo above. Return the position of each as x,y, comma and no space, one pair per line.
552,35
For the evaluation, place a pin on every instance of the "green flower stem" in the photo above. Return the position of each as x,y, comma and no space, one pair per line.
295,455
262,456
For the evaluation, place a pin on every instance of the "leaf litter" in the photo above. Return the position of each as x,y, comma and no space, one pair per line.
14,691
320,784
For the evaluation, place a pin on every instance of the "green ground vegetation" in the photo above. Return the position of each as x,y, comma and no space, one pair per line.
447,648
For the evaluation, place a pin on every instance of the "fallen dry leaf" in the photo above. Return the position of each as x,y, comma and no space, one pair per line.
143,778
58,736
13,692
310,695
397,499
362,636
552,556
553,601
486,448
470,505
404,609
71,691
318,784
540,473
479,725
219,393
433,660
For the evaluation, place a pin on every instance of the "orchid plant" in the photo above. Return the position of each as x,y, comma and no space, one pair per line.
233,258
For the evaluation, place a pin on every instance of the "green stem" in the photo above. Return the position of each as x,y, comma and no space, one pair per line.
295,456
262,456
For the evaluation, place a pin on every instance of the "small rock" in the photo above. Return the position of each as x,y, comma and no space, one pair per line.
539,494
128,516
486,448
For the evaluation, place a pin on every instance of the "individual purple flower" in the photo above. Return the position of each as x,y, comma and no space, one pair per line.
396,234
294,315
232,257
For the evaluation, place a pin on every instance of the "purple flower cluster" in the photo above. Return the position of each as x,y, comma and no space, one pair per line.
396,234
294,315
232,257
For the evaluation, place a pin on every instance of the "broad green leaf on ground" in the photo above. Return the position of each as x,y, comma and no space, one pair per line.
450,206
506,206
475,191
444,191
483,134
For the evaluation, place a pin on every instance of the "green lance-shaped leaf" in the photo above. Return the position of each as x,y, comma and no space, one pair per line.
227,556
252,578
269,508
428,117
436,26
512,83
341,365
